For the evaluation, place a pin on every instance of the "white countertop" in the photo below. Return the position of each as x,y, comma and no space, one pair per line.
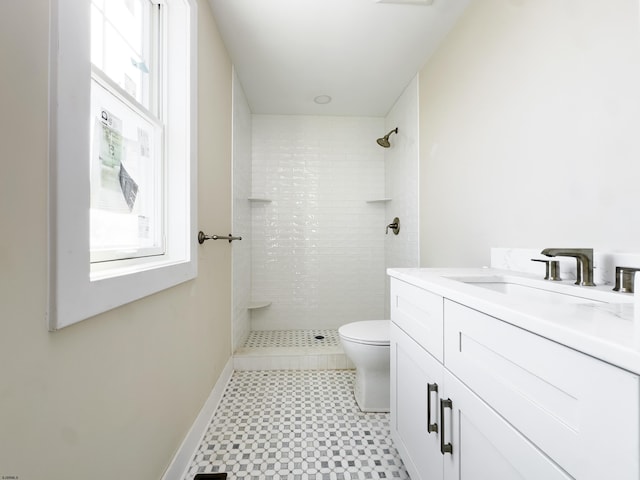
607,331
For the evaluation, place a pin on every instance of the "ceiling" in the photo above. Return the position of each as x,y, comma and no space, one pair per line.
362,53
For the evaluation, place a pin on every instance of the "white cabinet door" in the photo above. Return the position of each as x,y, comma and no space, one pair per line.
484,446
416,382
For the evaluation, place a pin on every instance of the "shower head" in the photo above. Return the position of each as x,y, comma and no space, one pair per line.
384,141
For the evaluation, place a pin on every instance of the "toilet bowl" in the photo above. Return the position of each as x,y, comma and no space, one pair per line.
366,344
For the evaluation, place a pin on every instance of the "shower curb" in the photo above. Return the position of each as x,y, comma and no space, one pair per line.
291,359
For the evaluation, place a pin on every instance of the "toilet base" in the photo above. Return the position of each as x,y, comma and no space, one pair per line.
367,344
372,391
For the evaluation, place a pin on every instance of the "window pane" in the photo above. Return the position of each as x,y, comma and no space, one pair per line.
126,180
120,44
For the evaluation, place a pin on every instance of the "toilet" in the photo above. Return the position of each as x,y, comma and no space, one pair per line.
366,344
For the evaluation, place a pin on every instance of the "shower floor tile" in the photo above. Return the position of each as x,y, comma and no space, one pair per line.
292,338
299,425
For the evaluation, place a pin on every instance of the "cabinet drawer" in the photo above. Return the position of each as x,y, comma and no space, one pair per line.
420,314
581,412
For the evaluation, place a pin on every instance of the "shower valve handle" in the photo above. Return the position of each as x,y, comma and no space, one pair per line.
394,226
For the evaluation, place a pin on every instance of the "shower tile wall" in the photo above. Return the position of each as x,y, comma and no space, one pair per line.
402,183
241,251
318,247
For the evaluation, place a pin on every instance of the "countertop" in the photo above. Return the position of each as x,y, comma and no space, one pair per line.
607,331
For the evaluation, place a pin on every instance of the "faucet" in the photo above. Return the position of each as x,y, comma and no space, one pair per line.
584,265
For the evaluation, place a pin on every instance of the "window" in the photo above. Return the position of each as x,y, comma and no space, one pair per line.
122,153
127,158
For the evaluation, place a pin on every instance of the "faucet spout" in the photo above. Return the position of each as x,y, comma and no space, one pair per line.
584,259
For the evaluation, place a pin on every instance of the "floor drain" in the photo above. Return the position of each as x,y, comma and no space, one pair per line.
319,337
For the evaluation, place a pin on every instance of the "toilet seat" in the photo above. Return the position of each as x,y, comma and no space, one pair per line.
367,332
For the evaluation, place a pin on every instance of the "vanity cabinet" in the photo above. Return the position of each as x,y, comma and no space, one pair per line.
432,410
502,403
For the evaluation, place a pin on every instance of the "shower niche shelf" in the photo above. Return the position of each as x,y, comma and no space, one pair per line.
256,304
379,200
259,200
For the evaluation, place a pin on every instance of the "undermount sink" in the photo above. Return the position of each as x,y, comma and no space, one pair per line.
525,292
534,290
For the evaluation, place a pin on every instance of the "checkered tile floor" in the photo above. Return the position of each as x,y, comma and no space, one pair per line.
299,425
292,338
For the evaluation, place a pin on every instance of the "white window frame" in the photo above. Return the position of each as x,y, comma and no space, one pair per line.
77,292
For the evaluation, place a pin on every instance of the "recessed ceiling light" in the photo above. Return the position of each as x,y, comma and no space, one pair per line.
322,99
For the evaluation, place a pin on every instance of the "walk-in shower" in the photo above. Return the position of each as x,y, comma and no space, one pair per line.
312,197
314,202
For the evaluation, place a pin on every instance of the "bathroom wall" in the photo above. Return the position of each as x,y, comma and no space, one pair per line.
113,396
402,186
318,246
529,115
241,250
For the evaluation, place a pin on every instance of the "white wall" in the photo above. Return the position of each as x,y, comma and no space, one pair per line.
113,396
318,249
241,250
402,185
529,118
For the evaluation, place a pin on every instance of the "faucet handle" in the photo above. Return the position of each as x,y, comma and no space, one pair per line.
395,227
625,279
552,268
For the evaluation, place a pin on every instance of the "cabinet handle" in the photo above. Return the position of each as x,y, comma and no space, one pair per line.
431,427
445,447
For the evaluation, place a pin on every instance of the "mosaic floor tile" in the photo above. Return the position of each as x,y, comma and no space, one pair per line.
292,338
300,425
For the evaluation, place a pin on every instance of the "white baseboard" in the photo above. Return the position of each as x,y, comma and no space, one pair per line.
178,467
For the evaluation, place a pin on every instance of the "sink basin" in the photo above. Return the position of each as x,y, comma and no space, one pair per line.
524,292
533,290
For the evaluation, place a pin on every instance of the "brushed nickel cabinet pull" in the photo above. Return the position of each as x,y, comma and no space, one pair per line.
445,447
431,388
